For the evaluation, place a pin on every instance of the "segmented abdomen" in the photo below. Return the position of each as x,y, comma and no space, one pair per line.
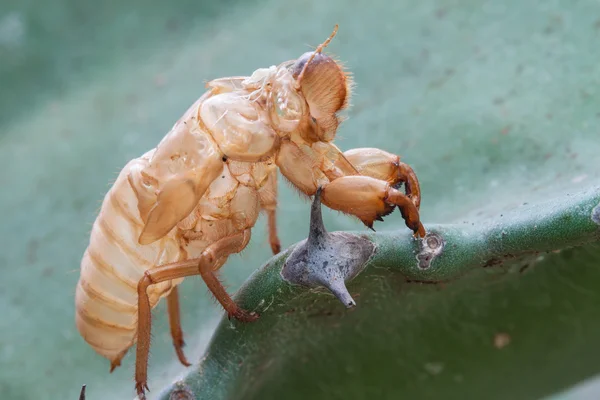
112,265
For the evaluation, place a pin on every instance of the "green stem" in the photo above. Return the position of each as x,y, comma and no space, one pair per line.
528,229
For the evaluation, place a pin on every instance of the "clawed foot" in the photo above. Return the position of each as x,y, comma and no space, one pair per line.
275,246
419,230
242,315
141,388
413,221
416,225
179,350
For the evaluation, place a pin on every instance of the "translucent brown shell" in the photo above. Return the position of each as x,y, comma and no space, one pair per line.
327,88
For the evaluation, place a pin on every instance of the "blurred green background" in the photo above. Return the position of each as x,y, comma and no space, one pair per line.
493,104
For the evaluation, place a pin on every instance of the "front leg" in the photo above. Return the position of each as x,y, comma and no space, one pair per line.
369,199
345,188
382,165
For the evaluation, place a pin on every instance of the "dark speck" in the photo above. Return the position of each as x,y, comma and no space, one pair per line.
440,13
520,68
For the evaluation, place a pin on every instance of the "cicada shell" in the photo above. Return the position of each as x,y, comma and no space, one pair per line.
184,207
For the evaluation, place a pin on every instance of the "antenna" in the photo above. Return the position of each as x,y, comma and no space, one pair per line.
317,51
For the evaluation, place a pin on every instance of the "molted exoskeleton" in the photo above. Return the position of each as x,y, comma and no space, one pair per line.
241,130
183,208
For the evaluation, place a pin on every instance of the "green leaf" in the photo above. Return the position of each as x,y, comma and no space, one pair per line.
494,104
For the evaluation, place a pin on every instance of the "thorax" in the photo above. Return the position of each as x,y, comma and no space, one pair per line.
230,205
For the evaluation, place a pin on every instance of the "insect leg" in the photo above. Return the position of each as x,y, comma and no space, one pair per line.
382,165
408,209
160,274
411,183
273,237
199,266
175,325
370,199
223,248
268,201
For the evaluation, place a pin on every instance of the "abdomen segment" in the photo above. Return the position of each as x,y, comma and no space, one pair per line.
112,265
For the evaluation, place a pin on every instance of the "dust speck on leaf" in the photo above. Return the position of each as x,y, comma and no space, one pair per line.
501,340
434,368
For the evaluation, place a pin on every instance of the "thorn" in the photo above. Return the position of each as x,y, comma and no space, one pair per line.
339,289
317,228
82,394
327,259
379,218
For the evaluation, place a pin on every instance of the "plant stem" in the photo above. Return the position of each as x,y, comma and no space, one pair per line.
447,252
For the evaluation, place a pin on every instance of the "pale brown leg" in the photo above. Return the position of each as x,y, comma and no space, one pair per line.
203,266
408,209
273,238
175,324
268,201
411,183
368,199
380,164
